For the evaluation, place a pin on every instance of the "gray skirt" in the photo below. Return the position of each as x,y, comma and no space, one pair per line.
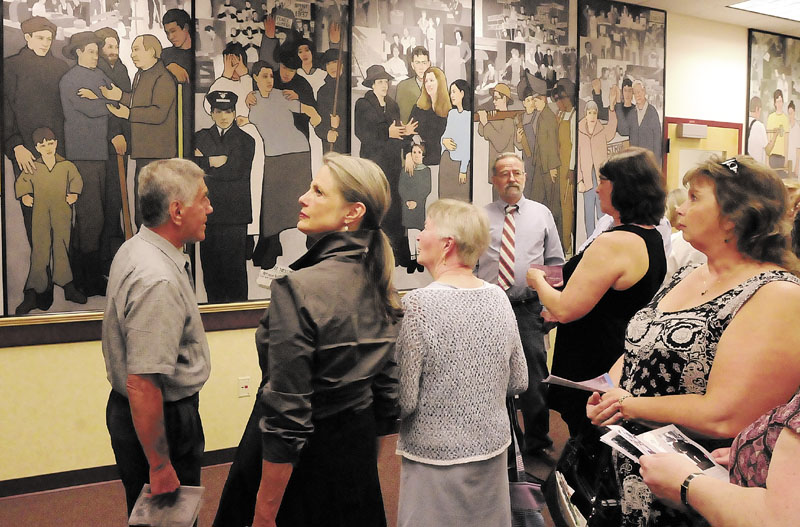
466,495
286,178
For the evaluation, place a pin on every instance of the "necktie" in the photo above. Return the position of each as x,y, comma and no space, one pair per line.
505,269
189,274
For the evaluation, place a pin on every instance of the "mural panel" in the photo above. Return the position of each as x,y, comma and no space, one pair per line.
621,92
773,133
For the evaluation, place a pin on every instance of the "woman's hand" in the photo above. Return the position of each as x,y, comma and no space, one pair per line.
535,277
664,474
606,409
722,456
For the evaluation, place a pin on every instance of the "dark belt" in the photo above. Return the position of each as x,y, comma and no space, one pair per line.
531,300
191,399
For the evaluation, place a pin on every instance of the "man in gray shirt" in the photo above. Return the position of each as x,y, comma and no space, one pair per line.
154,345
535,241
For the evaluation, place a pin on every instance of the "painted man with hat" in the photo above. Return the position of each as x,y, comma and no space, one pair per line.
225,153
333,130
31,98
378,127
86,121
499,132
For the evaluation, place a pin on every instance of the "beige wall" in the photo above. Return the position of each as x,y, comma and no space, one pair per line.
52,403
52,398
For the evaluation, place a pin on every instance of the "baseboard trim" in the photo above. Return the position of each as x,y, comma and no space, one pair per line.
72,478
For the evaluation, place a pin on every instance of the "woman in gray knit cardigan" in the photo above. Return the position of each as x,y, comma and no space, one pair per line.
460,355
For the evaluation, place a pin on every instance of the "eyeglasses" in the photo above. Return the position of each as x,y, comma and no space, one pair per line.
732,165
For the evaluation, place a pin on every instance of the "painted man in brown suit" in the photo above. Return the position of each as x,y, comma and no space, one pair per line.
151,107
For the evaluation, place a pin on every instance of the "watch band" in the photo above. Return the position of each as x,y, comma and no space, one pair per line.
685,487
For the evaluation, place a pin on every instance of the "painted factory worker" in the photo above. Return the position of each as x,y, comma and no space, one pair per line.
225,153
31,98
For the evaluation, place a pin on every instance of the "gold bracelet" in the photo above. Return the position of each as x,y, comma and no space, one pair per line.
619,402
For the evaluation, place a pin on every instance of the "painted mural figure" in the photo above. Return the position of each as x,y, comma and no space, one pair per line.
644,125
378,127
567,127
151,108
430,113
49,191
287,160
499,131
409,90
315,76
333,135
456,154
793,139
225,153
758,141
179,60
295,87
118,140
464,54
778,124
414,189
31,99
537,138
86,131
593,139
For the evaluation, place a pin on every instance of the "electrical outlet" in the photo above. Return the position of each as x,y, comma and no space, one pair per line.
244,386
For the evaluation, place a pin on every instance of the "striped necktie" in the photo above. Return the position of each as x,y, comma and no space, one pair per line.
505,269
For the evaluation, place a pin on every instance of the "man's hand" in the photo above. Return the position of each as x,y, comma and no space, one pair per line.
553,175
72,198
483,117
217,161
335,120
180,74
411,205
290,95
520,134
581,187
411,127
408,165
120,145
332,136
27,200
269,26
395,131
241,120
229,66
86,93
123,112
163,480
198,153
24,159
112,94
462,178
613,97
251,99
449,143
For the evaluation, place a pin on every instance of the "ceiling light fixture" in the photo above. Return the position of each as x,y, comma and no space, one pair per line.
788,9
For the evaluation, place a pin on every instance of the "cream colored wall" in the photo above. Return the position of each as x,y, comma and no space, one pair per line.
52,398
52,403
706,65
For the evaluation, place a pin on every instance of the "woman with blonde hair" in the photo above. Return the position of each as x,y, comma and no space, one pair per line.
430,111
460,356
715,348
308,456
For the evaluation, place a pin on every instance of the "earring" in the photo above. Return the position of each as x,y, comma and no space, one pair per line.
346,227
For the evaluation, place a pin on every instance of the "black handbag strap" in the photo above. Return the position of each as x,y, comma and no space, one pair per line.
512,418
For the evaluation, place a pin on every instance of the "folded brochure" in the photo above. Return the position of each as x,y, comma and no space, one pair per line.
601,384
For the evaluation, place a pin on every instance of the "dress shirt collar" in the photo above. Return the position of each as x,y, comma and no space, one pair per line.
174,254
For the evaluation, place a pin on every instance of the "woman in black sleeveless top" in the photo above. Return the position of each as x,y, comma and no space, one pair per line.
607,283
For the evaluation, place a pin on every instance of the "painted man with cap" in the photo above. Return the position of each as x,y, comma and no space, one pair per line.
31,98
151,107
333,130
86,121
225,153
499,132
531,239
378,127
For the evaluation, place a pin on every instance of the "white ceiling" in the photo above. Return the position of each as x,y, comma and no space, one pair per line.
718,11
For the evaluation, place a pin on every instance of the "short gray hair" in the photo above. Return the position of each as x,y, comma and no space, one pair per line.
466,223
164,181
504,155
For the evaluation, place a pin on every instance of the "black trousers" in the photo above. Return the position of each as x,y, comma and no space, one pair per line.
223,254
333,484
184,437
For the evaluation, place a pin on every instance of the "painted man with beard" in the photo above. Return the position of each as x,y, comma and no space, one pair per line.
86,132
